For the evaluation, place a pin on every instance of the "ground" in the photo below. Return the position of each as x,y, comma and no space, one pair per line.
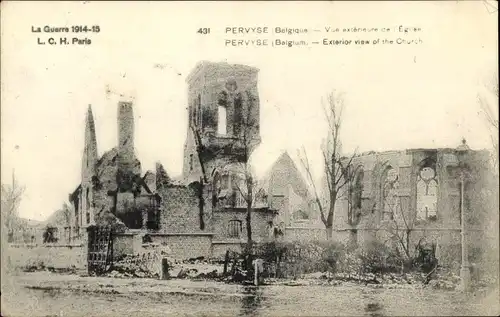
50,294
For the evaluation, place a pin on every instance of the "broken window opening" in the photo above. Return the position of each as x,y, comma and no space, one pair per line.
222,113
427,187
355,197
390,184
221,123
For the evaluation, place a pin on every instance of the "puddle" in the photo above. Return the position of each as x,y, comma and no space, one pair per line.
251,302
374,309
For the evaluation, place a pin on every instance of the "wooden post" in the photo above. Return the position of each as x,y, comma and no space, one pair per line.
164,269
233,269
258,268
256,273
226,262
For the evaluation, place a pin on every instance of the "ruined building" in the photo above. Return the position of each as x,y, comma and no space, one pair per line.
112,190
205,213
299,208
417,196
406,197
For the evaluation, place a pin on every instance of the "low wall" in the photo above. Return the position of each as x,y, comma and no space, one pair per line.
185,246
182,246
56,256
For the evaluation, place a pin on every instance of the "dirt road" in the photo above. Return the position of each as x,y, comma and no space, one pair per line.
46,294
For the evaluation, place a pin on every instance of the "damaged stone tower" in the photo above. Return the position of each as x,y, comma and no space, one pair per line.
223,105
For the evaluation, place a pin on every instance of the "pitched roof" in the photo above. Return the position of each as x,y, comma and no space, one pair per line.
294,176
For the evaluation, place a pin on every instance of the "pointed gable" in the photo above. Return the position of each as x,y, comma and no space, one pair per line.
282,174
192,167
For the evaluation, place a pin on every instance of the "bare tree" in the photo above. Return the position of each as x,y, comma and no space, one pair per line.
399,227
11,198
67,214
491,120
246,122
336,167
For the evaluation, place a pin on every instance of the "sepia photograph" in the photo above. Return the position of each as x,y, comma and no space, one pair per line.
239,158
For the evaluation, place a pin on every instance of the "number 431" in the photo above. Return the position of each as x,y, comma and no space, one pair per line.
203,31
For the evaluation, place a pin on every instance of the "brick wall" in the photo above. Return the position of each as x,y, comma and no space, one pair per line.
186,246
182,246
260,224
180,210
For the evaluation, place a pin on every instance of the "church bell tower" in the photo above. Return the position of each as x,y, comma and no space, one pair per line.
223,117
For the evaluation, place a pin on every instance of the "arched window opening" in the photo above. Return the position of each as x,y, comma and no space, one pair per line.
221,123
238,189
216,188
427,188
390,199
355,196
225,181
222,114
358,189
234,228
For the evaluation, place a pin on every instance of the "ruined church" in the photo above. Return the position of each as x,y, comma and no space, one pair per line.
404,196
204,212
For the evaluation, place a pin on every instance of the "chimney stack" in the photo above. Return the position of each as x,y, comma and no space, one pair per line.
126,152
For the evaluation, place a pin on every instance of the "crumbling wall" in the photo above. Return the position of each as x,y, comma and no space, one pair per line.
182,247
180,210
179,246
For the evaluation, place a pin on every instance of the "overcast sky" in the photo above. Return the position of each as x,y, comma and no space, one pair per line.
396,96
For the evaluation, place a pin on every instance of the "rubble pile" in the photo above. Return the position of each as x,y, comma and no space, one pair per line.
147,265
196,269
445,281
440,280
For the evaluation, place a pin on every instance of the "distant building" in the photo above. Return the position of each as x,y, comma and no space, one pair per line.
285,180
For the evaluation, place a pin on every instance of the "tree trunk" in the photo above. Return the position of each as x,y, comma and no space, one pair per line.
201,203
249,200
329,221
249,224
329,232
